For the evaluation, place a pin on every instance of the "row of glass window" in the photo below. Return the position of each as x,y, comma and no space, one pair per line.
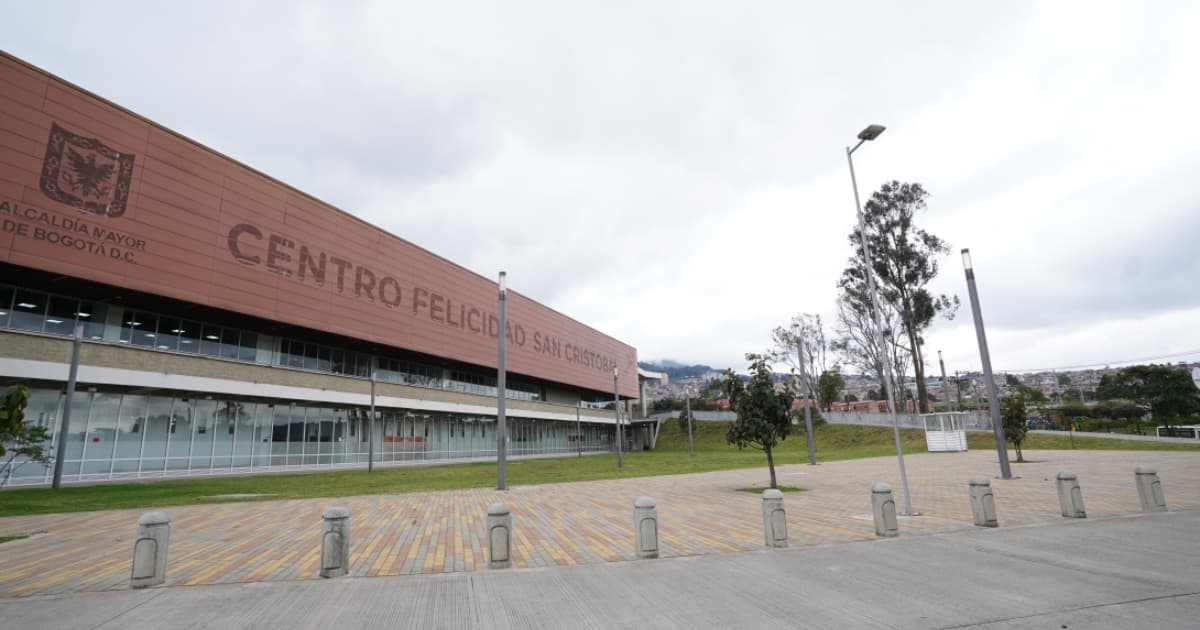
24,309
117,435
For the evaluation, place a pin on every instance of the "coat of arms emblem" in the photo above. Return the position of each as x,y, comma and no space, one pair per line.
86,174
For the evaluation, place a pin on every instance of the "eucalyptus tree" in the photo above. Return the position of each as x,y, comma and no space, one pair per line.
904,260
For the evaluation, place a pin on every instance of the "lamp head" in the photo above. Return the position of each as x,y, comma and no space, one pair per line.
871,132
966,256
503,281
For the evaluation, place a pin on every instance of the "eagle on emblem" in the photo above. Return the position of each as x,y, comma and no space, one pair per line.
86,177
86,174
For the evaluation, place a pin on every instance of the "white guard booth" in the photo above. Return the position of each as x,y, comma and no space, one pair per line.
944,431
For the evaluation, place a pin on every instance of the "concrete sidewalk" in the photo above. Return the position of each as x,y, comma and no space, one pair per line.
1122,572
558,525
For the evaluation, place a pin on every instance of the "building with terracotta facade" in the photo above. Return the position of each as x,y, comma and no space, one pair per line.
231,323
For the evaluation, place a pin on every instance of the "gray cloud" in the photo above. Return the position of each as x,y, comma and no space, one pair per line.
673,174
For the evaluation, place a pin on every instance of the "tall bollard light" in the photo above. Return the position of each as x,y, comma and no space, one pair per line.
986,360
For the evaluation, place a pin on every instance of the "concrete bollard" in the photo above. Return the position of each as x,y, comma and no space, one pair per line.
150,550
499,526
335,542
983,504
774,519
1149,489
1070,497
884,508
645,527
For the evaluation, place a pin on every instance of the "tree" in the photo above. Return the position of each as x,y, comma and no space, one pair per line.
904,260
857,341
829,387
763,420
1011,381
683,419
1064,379
802,347
1031,394
1012,415
18,439
1167,392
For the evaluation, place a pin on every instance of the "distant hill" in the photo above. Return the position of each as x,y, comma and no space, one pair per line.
675,369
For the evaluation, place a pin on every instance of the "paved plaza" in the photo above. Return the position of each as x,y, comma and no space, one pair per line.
557,525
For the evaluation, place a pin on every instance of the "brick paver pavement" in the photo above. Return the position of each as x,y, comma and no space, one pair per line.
566,524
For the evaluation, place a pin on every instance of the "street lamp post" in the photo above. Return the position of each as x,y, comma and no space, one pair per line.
72,373
501,451
804,377
870,133
985,358
617,411
371,428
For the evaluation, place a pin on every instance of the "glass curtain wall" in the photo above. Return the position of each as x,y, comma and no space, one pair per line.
117,435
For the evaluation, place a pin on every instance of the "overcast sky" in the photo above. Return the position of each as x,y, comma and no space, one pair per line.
674,174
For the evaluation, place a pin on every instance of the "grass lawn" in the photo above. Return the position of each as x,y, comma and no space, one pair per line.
835,442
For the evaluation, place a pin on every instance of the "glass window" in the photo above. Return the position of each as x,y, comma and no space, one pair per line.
94,317
294,353
205,418
42,411
189,336
281,357
229,343
310,356
60,318
248,347
101,435
169,330
210,340
6,300
279,435
263,418
179,444
337,364
130,430
223,434
296,435
243,435
142,329
323,360
154,443
81,406
363,366
29,310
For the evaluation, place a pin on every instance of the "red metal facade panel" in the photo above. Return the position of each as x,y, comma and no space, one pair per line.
91,190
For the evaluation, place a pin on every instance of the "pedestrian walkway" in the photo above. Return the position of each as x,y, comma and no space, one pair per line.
567,524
